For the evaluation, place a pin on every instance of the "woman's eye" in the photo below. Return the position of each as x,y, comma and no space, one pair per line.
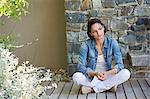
100,28
93,32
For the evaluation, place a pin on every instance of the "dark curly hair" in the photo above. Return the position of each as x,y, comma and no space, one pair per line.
91,22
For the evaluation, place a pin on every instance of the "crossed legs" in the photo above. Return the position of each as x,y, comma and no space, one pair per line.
100,86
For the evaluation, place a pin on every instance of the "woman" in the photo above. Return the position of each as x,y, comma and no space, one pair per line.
95,70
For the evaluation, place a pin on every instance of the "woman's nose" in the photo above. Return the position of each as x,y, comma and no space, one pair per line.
98,32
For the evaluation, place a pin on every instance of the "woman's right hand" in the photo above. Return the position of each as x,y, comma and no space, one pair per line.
100,75
92,74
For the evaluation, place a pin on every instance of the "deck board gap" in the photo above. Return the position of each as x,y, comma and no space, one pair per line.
132,89
141,88
61,90
70,90
124,91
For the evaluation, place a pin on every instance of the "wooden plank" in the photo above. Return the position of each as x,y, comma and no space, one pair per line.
120,92
145,87
148,81
82,96
48,91
110,95
101,95
128,90
66,90
57,91
91,96
74,92
137,89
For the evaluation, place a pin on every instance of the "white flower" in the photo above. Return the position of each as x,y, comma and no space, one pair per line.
54,85
22,81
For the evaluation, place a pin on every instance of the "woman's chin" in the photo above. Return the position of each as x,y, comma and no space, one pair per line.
100,37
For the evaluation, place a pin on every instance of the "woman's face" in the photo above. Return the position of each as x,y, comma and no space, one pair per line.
97,31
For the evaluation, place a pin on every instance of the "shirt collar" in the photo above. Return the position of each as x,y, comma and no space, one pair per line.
105,42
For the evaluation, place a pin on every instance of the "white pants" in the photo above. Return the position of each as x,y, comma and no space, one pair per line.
98,85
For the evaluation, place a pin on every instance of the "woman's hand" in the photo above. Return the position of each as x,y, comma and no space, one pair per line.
92,74
101,76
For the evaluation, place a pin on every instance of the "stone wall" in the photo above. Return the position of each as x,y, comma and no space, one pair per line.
128,22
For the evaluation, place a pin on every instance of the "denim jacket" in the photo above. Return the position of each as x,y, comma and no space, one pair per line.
89,53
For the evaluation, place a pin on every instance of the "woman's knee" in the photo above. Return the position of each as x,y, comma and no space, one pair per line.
76,76
125,73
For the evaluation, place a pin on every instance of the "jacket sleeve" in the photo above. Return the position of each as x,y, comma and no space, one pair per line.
82,62
117,56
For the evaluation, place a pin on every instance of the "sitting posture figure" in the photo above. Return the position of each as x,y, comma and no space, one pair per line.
95,70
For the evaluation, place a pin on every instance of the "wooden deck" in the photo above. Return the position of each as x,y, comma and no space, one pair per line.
132,89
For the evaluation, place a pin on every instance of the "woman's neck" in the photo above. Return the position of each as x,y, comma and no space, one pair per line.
99,42
99,46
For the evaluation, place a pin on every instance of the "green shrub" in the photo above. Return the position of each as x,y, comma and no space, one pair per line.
13,8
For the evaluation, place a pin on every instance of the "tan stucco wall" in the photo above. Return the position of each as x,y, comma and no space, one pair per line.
46,22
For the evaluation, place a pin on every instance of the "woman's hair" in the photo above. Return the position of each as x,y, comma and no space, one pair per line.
91,22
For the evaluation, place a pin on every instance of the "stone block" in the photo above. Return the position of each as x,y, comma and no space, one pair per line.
122,40
124,50
118,25
142,11
83,36
147,2
130,38
148,44
122,33
108,13
76,17
72,4
73,48
105,21
108,3
131,19
75,27
141,38
135,47
72,68
69,56
148,36
108,33
143,21
138,28
126,11
93,13
148,50
139,75
69,48
126,2
75,58
84,27
148,47
140,59
72,36
140,2
96,4
114,35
